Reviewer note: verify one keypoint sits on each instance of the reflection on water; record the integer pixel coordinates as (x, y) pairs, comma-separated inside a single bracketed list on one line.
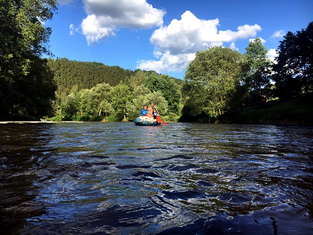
[(181, 179)]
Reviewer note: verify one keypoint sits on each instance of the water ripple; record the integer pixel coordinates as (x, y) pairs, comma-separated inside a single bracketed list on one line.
[(117, 178)]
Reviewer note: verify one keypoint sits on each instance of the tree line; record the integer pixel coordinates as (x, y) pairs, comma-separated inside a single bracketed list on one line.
[(122, 101), (218, 81), (76, 75)]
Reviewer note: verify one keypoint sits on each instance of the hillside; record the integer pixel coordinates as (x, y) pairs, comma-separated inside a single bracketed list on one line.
[(72, 75), (78, 75)]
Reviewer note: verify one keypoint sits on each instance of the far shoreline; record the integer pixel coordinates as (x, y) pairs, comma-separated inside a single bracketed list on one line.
[(37, 122)]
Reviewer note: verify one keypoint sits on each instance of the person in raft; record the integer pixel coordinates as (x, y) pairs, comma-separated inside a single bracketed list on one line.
[(144, 111), (152, 112)]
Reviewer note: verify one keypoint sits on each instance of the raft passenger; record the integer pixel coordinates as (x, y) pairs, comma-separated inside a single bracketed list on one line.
[(144, 111)]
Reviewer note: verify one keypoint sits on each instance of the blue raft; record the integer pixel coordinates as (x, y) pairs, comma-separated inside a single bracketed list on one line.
[(146, 121)]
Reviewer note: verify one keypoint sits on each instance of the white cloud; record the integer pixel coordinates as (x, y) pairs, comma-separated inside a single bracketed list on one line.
[(167, 62), (177, 43), (278, 34), (73, 29), (272, 54), (105, 16), (233, 46)]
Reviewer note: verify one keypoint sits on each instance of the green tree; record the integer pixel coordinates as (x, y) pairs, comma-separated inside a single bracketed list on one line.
[(23, 39), (120, 97), (158, 100), (135, 105), (258, 74), (293, 70), (88, 104), (138, 79), (169, 88), (211, 81), (70, 107), (85, 75)]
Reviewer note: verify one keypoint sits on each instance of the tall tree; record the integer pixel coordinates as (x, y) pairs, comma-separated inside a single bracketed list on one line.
[(293, 70), (120, 97), (258, 74), (211, 81), (23, 39), (169, 88)]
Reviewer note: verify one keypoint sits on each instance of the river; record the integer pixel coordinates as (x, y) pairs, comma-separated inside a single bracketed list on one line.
[(118, 178)]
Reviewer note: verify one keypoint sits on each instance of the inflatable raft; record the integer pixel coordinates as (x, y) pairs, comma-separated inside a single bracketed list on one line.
[(146, 121)]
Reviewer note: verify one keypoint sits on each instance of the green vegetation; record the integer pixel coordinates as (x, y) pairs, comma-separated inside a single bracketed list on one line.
[(298, 111), (212, 82), (120, 102), (71, 76), (294, 71), (221, 84), (257, 81), (26, 83)]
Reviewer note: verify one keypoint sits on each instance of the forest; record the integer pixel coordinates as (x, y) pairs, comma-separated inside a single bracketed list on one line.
[(220, 84)]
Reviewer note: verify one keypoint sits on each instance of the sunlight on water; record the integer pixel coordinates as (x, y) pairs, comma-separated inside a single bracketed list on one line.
[(113, 178)]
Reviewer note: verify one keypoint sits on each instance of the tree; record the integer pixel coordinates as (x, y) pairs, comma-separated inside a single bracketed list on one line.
[(70, 107), (293, 70), (85, 75), (211, 81), (23, 39), (169, 88), (258, 74), (120, 97)]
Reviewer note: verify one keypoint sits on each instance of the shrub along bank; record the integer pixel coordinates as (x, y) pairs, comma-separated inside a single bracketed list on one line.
[(294, 112)]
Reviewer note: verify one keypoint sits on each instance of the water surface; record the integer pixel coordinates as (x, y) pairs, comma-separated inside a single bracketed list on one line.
[(118, 178)]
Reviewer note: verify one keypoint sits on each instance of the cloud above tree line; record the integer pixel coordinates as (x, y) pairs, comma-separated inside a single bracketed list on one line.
[(177, 43), (174, 44)]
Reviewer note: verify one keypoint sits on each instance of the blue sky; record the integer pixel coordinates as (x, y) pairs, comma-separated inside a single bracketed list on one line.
[(164, 35)]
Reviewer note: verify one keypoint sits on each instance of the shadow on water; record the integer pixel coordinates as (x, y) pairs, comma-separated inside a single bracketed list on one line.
[(116, 178), (21, 151)]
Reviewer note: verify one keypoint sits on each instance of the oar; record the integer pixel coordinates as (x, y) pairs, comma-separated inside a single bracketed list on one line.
[(158, 118)]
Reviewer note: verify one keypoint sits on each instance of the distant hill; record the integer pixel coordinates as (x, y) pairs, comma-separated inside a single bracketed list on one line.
[(79, 75), (71, 75)]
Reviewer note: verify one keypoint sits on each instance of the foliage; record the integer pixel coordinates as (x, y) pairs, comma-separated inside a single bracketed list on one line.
[(295, 112), (147, 98), (84, 75), (293, 70), (87, 103), (121, 95), (258, 74), (119, 102), (169, 88), (26, 85), (211, 81), (218, 81)]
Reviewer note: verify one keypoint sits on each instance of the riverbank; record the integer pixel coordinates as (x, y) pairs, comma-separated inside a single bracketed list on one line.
[(37, 122), (295, 112)]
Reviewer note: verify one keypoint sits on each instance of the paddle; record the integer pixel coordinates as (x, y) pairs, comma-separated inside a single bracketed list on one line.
[(158, 118)]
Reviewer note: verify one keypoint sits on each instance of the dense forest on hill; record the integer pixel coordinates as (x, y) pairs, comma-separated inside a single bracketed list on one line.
[(122, 101), (220, 84), (90, 91), (79, 75)]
